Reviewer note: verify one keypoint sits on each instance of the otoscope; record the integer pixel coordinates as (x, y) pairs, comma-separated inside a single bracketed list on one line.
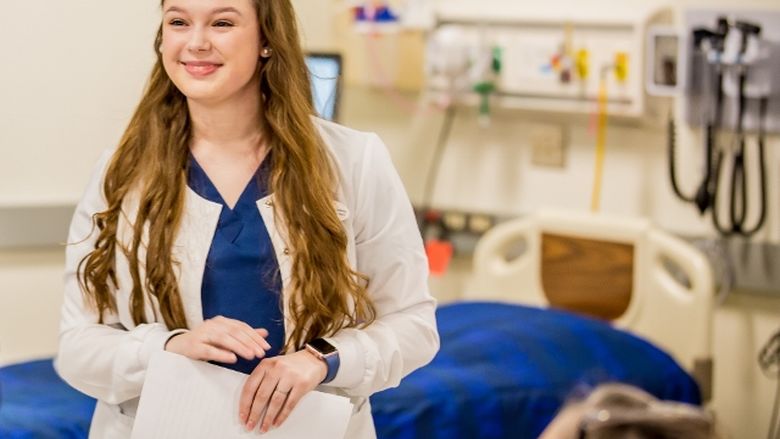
[(738, 193), (713, 51), (705, 194)]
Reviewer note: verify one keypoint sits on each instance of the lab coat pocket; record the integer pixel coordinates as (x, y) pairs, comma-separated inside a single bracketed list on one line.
[(122, 418), (109, 422)]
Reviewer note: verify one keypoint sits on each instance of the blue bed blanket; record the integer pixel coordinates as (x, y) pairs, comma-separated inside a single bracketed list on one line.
[(36, 404), (503, 371)]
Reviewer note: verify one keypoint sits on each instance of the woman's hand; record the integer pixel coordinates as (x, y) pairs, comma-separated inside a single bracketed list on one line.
[(220, 339), (279, 383)]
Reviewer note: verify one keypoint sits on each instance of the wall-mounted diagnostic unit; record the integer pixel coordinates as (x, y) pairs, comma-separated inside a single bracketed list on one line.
[(560, 56), (730, 85), (731, 63)]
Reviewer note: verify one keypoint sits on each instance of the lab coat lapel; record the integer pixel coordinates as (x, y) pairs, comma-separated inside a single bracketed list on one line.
[(266, 207), (191, 249)]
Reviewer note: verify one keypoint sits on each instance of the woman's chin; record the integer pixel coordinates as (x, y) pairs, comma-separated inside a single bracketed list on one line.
[(198, 94)]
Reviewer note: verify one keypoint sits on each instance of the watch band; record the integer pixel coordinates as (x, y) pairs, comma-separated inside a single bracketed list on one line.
[(331, 358)]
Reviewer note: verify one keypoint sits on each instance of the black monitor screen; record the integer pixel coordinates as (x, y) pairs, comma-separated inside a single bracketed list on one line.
[(325, 74)]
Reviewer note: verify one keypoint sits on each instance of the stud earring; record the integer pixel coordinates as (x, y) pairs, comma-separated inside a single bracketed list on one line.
[(266, 52)]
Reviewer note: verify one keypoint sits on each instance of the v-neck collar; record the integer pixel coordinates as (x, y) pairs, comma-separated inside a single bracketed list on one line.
[(255, 189)]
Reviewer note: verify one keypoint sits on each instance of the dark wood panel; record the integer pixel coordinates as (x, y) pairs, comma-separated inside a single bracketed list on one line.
[(587, 276)]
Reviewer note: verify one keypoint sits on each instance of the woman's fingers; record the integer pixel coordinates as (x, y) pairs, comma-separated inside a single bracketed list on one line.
[(277, 400), (212, 353), (194, 345), (236, 336), (260, 401), (221, 337), (249, 336), (293, 398), (248, 393), (275, 387), (262, 332), (249, 349)]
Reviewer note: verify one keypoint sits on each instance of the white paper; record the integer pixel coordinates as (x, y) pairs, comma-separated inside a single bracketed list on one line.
[(183, 398)]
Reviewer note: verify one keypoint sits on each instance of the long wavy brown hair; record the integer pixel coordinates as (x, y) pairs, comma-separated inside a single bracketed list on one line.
[(150, 164)]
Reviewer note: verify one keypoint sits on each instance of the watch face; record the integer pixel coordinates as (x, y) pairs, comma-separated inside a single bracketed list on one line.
[(322, 346)]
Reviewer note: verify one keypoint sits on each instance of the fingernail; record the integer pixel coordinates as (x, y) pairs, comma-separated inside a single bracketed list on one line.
[(250, 426)]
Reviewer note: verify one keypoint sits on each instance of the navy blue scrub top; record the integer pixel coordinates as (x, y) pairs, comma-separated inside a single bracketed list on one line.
[(241, 280)]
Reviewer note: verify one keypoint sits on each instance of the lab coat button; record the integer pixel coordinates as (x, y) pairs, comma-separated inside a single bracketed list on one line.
[(286, 251)]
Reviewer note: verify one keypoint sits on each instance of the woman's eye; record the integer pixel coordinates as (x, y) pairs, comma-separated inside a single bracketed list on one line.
[(177, 22), (223, 24)]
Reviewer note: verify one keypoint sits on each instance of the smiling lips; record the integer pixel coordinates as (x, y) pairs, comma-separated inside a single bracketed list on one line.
[(201, 69)]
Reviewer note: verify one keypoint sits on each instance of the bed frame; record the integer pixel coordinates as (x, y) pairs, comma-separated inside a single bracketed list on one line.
[(623, 270)]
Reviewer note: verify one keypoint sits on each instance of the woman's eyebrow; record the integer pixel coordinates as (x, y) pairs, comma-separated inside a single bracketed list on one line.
[(213, 12), (226, 9), (174, 9)]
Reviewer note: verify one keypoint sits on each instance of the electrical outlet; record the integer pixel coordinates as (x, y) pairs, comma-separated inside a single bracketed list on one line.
[(480, 223), (548, 145), (454, 221)]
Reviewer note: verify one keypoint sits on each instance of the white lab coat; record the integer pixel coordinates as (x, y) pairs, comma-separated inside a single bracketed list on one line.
[(108, 361)]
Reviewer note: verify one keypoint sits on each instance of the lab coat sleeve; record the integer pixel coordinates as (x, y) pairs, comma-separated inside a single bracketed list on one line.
[(390, 251), (104, 361)]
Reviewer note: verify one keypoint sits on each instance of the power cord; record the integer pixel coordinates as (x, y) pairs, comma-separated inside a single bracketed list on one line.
[(769, 361), (671, 144), (441, 144)]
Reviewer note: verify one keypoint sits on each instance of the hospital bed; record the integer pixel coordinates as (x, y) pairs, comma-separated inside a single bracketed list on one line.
[(623, 270), (558, 303)]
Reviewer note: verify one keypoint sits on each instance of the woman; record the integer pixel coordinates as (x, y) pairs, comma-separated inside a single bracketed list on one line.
[(232, 226)]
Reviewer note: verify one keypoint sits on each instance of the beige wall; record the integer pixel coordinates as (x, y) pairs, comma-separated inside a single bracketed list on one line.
[(73, 74), (30, 298), (76, 75)]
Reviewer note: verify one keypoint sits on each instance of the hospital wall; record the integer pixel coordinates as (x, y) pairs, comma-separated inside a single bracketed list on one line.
[(78, 72)]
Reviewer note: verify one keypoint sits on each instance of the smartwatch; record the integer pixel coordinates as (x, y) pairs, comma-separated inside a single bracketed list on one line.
[(326, 352)]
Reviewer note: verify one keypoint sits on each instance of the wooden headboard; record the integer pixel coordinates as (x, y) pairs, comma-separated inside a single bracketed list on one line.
[(587, 276)]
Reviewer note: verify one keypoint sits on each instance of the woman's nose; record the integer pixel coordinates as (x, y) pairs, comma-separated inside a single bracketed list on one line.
[(199, 41)]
